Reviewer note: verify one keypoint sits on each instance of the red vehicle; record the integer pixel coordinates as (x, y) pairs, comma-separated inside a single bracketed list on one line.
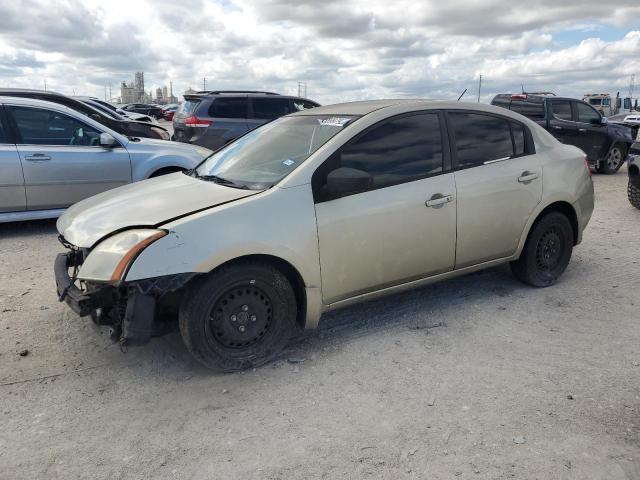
[(168, 111)]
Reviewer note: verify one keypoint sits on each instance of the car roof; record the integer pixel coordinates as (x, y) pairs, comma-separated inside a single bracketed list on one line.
[(35, 102), (357, 108)]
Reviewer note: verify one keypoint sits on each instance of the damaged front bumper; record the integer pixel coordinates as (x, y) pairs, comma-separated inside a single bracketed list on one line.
[(132, 309)]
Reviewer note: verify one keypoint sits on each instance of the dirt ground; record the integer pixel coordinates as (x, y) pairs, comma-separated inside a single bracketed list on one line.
[(480, 377)]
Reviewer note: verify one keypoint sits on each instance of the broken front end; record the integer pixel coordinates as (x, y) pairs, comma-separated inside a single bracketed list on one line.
[(136, 310)]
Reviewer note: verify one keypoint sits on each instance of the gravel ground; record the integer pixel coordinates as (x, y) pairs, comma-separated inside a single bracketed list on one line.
[(478, 377)]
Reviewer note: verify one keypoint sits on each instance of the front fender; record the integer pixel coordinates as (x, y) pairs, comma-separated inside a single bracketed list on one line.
[(143, 169)]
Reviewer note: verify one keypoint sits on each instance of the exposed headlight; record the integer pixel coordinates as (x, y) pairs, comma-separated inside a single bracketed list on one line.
[(161, 133), (110, 260)]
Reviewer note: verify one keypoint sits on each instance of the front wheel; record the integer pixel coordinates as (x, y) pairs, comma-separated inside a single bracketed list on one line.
[(547, 251), (614, 160), (238, 317), (633, 192)]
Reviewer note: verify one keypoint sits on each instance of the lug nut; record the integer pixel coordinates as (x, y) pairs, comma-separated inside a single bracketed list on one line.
[(233, 318), (241, 328), (253, 318), (245, 308)]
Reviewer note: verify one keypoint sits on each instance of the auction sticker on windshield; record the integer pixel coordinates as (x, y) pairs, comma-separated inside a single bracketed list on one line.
[(334, 121)]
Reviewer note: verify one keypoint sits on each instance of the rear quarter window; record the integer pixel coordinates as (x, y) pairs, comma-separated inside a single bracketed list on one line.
[(187, 107)]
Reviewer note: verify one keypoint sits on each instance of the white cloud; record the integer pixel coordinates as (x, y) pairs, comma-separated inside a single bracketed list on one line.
[(344, 50)]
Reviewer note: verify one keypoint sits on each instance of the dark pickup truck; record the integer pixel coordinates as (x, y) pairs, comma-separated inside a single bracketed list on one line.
[(574, 122)]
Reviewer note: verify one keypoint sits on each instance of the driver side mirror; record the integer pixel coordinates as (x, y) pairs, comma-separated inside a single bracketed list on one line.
[(599, 121), (107, 140), (344, 181)]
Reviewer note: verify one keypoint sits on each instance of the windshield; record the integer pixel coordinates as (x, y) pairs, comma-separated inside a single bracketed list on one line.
[(267, 154)]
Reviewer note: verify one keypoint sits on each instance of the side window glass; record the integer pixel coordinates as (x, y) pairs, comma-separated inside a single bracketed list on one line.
[(38, 126), (517, 129), (398, 151), (3, 131), (270, 108), (223, 107), (562, 109), (587, 114), (480, 138)]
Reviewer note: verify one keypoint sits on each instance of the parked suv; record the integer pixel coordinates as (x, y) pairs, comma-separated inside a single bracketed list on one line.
[(318, 210), (212, 119), (124, 126), (633, 190), (576, 123), (52, 156)]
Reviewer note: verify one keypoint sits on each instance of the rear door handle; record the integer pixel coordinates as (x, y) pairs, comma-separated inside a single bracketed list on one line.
[(438, 200), (527, 177), (557, 127), (37, 157), (582, 130)]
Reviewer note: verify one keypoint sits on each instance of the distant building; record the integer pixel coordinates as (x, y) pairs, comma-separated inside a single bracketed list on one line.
[(128, 93), (159, 97), (139, 81)]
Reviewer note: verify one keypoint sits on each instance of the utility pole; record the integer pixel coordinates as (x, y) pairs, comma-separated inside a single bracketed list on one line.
[(110, 94), (171, 90), (479, 87), (204, 83), (45, 84), (302, 89)]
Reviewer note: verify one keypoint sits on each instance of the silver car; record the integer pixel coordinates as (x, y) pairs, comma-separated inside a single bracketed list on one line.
[(318, 210), (52, 156)]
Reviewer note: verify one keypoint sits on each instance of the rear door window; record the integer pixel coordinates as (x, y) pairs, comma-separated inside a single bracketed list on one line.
[(562, 109), (270, 108), (480, 138), (229, 107)]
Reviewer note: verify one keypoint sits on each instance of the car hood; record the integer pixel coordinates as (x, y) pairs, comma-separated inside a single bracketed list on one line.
[(178, 148), (149, 203)]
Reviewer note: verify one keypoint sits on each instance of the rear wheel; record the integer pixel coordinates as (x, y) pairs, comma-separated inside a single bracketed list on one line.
[(547, 251), (633, 192), (614, 160), (238, 317)]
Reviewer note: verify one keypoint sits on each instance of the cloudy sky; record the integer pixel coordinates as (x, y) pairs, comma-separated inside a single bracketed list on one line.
[(343, 49)]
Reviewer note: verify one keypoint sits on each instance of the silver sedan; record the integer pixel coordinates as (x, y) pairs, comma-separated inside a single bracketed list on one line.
[(52, 157)]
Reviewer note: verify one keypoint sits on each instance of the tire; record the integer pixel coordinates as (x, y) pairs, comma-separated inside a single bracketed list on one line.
[(240, 316), (547, 251), (613, 161), (633, 192)]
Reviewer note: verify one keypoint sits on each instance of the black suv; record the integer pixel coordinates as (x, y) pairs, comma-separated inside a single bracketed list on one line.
[(214, 118), (114, 121), (574, 122)]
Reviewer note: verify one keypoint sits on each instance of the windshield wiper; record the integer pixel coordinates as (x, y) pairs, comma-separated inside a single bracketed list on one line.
[(220, 181)]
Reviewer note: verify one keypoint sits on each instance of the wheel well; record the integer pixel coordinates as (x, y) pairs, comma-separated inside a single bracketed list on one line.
[(634, 170), (166, 170), (289, 271), (566, 209)]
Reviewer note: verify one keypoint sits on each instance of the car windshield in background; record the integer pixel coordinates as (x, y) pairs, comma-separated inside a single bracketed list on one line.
[(267, 154)]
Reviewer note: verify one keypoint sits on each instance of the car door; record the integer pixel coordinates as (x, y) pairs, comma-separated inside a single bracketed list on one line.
[(498, 178), (12, 194), (403, 227), (62, 159), (592, 133), (562, 123), (265, 109)]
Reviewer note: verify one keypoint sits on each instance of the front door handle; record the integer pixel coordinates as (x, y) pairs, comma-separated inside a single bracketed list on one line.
[(438, 200), (557, 127), (37, 157), (582, 130), (527, 177)]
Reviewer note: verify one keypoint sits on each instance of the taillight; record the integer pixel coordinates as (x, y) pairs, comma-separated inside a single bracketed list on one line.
[(586, 161), (194, 121), (519, 96)]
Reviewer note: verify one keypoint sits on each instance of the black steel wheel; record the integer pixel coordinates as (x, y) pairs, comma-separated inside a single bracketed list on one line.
[(239, 316), (547, 251)]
